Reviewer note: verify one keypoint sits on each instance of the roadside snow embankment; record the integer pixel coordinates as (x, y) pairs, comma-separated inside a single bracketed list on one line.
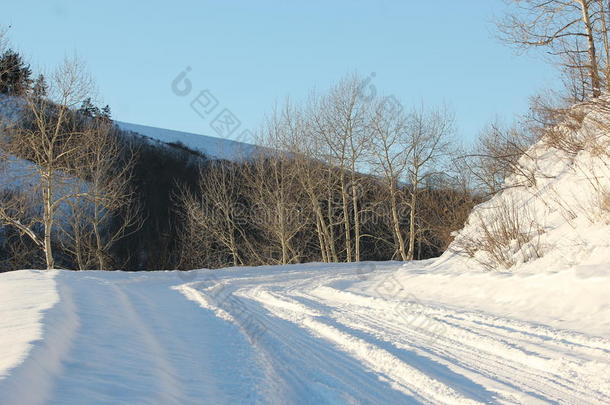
[(554, 214), (24, 296)]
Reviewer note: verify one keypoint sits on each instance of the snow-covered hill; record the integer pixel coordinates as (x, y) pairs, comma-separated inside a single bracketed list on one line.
[(211, 146)]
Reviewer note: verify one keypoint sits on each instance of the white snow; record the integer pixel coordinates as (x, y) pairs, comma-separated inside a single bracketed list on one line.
[(214, 147), (371, 333), (566, 212), (22, 313)]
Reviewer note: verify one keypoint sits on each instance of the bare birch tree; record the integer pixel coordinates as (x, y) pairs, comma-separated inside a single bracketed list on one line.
[(390, 150), (48, 135), (279, 203), (315, 178), (428, 133), (340, 122), (573, 31), (108, 212)]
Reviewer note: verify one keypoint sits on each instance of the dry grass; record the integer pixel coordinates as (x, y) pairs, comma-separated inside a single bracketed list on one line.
[(566, 136), (507, 234), (603, 203)]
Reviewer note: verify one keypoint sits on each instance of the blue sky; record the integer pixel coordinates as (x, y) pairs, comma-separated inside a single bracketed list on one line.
[(250, 54)]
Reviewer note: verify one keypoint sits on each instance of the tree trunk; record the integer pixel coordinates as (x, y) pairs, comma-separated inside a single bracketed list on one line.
[(324, 237), (412, 216), (331, 229), (321, 241), (346, 221), (604, 21), (283, 233), (48, 221), (101, 262), (593, 69), (356, 220), (396, 224)]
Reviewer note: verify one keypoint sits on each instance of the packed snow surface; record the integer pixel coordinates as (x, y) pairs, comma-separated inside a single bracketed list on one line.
[(368, 333)]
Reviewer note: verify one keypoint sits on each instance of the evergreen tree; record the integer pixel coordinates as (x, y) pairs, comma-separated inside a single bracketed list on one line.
[(15, 75), (105, 114), (88, 109), (40, 87)]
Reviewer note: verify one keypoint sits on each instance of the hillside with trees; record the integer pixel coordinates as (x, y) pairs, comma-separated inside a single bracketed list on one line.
[(341, 178)]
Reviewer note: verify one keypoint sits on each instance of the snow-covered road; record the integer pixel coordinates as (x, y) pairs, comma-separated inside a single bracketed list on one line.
[(320, 334)]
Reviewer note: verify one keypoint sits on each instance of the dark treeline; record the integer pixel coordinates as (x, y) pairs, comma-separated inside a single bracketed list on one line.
[(204, 213)]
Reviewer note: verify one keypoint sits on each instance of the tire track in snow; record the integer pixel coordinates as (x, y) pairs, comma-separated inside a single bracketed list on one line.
[(302, 368), (170, 389), (521, 362), (401, 376), (489, 353)]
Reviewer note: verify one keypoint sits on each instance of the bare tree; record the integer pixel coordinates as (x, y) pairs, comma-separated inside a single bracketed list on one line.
[(279, 203), (340, 121), (428, 133), (568, 29), (76, 171), (497, 154), (407, 151), (390, 151), (277, 207), (108, 212), (218, 210), (48, 134), (316, 179)]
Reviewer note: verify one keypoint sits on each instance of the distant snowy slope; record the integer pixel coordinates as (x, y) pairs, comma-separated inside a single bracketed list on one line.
[(20, 175), (214, 147), (10, 108)]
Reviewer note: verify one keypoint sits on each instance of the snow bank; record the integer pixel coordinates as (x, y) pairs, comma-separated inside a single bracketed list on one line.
[(24, 296), (561, 204)]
